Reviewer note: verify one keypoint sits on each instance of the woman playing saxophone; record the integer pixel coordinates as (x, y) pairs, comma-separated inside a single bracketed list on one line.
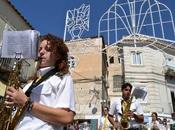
[(50, 98)]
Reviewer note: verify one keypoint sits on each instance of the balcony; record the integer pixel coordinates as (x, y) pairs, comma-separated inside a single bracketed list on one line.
[(5, 64), (5, 69), (169, 68)]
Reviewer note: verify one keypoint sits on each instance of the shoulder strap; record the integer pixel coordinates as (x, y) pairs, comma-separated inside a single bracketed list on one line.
[(44, 77)]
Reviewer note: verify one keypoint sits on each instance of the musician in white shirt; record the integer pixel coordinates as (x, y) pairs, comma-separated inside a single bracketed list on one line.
[(135, 114), (52, 103)]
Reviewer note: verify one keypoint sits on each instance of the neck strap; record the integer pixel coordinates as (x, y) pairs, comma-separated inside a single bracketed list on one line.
[(44, 77)]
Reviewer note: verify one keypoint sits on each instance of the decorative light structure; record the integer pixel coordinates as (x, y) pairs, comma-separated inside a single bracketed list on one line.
[(77, 21), (132, 17)]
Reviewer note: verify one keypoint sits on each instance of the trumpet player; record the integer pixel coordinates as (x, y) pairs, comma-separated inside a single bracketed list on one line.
[(49, 99), (125, 108)]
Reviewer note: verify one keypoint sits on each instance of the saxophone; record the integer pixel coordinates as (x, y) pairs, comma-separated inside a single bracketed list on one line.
[(7, 118), (124, 118)]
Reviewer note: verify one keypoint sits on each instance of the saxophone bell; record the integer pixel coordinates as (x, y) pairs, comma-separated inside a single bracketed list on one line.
[(125, 124)]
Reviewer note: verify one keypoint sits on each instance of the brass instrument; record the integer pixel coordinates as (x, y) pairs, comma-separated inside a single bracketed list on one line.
[(7, 120), (124, 118)]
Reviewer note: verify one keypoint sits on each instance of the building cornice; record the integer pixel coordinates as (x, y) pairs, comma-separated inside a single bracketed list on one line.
[(17, 11)]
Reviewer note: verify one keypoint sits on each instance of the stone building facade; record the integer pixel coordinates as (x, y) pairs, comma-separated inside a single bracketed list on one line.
[(89, 71)]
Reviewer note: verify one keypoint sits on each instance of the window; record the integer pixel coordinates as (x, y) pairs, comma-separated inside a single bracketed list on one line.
[(117, 83), (119, 60), (72, 62), (173, 100), (136, 58), (111, 59)]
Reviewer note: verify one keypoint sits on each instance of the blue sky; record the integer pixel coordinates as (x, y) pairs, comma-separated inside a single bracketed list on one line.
[(48, 16)]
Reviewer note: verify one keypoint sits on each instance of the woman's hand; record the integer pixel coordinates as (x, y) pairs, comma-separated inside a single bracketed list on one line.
[(15, 97)]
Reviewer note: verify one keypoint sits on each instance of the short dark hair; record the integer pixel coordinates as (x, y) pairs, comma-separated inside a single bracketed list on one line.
[(126, 85)]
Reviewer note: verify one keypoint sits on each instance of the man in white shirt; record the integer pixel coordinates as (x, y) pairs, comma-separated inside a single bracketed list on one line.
[(50, 103), (165, 125), (104, 122), (134, 114)]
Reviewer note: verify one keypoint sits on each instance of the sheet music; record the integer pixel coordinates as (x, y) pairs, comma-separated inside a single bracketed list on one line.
[(20, 44)]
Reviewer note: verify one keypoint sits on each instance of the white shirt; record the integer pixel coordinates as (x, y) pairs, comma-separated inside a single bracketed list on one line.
[(165, 127), (102, 123), (154, 124), (55, 92), (116, 109)]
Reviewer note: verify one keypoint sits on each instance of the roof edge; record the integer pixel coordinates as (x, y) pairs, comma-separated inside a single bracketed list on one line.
[(18, 12)]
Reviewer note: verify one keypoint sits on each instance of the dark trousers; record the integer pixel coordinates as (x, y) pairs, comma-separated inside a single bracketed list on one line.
[(133, 129)]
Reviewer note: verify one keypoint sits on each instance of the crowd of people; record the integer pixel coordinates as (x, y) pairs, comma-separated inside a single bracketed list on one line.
[(125, 113), (157, 123)]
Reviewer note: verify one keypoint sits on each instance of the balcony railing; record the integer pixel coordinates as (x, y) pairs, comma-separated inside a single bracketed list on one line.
[(169, 68), (5, 64)]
